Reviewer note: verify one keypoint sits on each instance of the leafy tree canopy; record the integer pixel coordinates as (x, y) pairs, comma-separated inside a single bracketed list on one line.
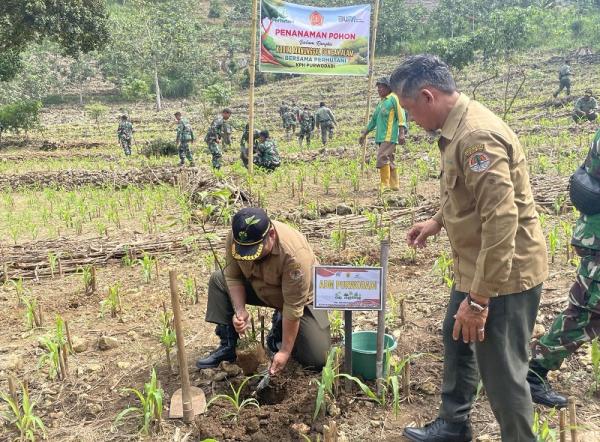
[(76, 25)]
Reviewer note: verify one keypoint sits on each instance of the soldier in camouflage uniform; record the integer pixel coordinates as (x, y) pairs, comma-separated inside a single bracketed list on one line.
[(227, 131), (289, 123), (325, 120), (243, 144), (266, 155), (564, 77), (125, 134), (580, 321), (185, 136), (585, 108), (282, 110), (307, 125), (215, 135)]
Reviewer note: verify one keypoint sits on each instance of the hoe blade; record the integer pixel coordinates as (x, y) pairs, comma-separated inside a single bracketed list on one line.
[(198, 403)]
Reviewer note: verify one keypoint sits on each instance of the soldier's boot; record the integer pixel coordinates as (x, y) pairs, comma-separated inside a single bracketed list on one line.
[(384, 176), (275, 335), (440, 430), (394, 183), (541, 391), (226, 349)]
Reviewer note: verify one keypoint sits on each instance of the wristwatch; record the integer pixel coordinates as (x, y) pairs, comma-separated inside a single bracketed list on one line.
[(475, 306)]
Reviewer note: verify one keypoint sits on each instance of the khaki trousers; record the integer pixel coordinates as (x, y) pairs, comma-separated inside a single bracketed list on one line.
[(386, 154), (313, 340)]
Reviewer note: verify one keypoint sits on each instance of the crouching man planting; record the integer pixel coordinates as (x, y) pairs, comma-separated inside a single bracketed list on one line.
[(268, 263)]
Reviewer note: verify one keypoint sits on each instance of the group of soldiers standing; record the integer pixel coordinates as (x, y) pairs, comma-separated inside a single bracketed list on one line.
[(292, 116)]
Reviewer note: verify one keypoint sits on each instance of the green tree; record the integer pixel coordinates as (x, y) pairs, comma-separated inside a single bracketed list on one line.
[(22, 115), (77, 26)]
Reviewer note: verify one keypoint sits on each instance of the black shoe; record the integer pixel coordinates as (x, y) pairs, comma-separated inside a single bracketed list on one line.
[(225, 351), (275, 334), (440, 430), (542, 393)]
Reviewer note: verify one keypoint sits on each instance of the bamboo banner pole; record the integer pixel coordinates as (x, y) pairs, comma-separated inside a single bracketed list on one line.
[(251, 94), (372, 42), (380, 354)]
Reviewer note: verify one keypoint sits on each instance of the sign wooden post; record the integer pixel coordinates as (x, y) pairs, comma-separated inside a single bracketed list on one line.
[(385, 253), (252, 75), (372, 43)]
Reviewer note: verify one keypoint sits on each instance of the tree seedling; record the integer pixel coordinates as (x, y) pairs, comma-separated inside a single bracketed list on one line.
[(22, 416), (112, 302), (33, 317), (235, 399), (167, 337), (88, 279), (149, 412), (147, 262)]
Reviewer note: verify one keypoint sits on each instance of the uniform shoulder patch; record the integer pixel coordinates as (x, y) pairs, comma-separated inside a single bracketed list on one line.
[(479, 162), (473, 149)]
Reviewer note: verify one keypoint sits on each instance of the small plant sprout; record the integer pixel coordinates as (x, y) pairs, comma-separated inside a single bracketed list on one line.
[(190, 289), (325, 385), (22, 416), (336, 324), (19, 289), (87, 277), (595, 353), (52, 357), (112, 302), (339, 237), (53, 262), (553, 242), (541, 428), (235, 399), (33, 316), (147, 262), (443, 268), (167, 337), (150, 409)]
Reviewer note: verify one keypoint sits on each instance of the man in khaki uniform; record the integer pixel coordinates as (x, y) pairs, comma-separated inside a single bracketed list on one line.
[(498, 249), (268, 264)]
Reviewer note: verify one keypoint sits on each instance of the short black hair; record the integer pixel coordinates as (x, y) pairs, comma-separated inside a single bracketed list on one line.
[(322, 103), (226, 110), (264, 133), (177, 114), (419, 71)]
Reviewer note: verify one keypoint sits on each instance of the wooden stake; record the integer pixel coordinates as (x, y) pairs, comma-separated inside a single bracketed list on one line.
[(61, 365), (188, 412), (572, 419), (330, 433), (65, 356), (403, 311), (563, 424), (60, 268), (262, 331), (252, 72), (37, 318), (5, 272), (69, 341), (93, 281), (156, 267), (371, 70)]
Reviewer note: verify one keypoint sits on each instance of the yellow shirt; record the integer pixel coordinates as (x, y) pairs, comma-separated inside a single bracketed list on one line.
[(283, 279), (487, 207)]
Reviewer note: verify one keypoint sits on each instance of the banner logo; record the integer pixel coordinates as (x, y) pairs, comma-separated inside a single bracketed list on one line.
[(316, 19)]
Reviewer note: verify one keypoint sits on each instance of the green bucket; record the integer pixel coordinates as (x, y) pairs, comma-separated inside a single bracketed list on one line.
[(364, 353)]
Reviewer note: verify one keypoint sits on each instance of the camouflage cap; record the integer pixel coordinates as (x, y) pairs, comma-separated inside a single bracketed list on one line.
[(384, 81)]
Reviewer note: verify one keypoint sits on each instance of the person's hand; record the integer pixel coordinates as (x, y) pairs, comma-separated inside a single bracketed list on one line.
[(241, 321), (279, 361), (418, 234), (362, 138), (471, 323)]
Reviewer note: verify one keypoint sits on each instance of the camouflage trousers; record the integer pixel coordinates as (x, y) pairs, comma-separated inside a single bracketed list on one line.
[(215, 151), (578, 323), (126, 145), (565, 83), (304, 133), (581, 117), (326, 131), (185, 152)]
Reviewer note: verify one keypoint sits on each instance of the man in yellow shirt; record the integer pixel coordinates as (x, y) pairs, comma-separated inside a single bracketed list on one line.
[(389, 122)]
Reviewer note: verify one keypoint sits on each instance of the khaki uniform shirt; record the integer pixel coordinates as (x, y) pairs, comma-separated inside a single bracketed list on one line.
[(283, 279), (487, 206)]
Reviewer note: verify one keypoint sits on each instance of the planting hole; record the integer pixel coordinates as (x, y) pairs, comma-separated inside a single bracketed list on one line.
[(272, 395)]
